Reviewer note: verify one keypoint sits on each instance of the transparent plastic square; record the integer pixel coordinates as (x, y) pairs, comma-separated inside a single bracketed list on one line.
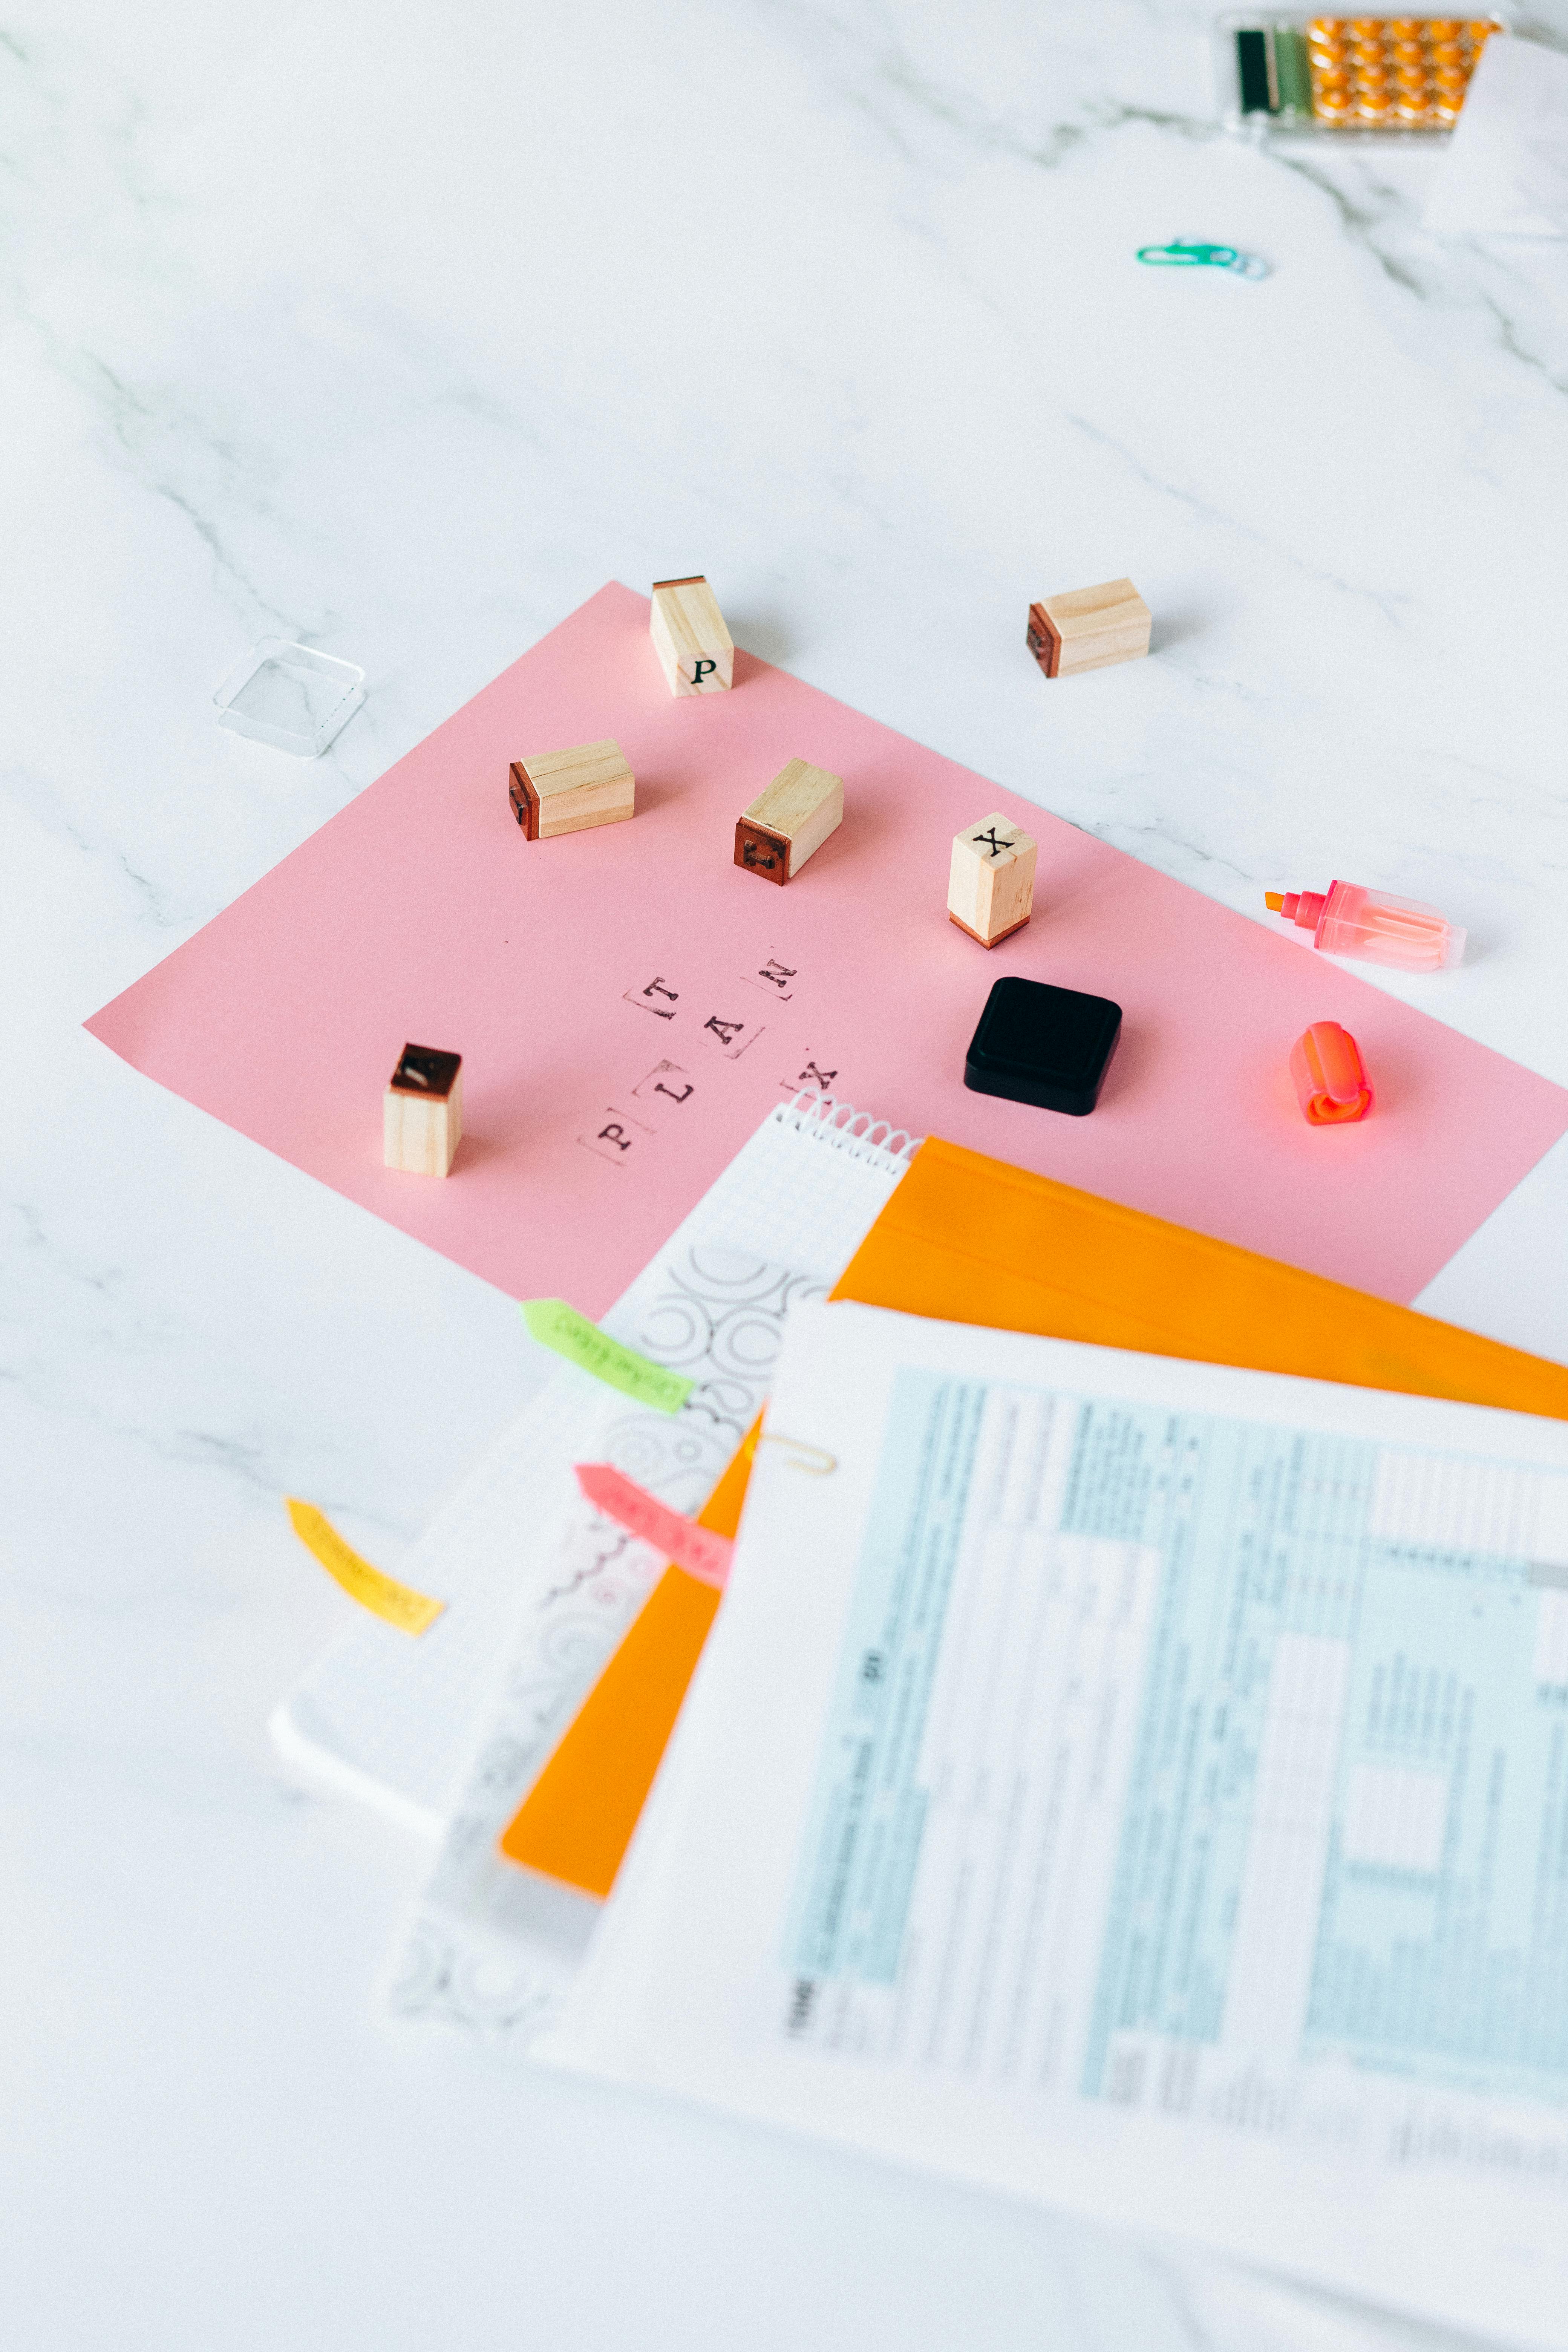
[(289, 696)]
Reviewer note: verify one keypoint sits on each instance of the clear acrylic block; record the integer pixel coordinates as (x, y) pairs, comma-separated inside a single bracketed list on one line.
[(289, 696)]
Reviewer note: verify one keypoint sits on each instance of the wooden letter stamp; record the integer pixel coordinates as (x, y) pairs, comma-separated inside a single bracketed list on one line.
[(422, 1113), (789, 823), (567, 791), (1089, 628), (690, 636), (991, 881)]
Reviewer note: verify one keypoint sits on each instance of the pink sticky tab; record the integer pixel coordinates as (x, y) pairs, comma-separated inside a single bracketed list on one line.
[(1331, 1081), (697, 1550)]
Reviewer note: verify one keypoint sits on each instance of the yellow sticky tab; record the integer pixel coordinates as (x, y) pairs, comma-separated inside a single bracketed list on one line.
[(557, 1325), (396, 1604)]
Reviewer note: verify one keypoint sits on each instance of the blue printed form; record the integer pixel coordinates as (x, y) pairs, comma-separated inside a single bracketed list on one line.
[(1173, 1760)]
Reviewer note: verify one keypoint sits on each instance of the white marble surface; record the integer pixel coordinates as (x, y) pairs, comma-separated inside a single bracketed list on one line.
[(401, 331)]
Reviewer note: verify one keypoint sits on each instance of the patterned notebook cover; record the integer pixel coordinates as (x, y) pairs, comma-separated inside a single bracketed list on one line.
[(386, 1718)]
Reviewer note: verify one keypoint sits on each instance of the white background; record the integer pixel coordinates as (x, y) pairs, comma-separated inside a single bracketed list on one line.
[(401, 330)]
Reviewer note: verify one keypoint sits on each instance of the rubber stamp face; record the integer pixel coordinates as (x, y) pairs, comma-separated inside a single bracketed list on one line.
[(426, 1070), (761, 852), (524, 801), (1043, 640)]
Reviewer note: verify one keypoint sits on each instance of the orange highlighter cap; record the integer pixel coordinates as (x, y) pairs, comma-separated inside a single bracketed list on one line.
[(1330, 1080)]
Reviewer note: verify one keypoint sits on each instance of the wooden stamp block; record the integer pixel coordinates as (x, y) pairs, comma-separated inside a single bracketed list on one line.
[(1089, 628), (690, 637), (567, 791), (789, 823), (422, 1112), (991, 882)]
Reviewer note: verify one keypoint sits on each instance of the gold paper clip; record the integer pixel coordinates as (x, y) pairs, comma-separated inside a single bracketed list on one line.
[(821, 1465)]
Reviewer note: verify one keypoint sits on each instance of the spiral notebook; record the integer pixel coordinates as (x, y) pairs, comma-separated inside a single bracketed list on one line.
[(529, 1573)]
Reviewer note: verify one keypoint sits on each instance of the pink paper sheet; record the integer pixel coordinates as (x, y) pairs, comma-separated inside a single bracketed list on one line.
[(618, 1000)]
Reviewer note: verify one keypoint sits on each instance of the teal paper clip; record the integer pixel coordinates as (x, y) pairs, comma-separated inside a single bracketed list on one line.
[(1179, 255)]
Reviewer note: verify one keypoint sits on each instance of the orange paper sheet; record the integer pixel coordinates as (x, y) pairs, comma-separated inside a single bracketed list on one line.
[(970, 1240), (577, 1821)]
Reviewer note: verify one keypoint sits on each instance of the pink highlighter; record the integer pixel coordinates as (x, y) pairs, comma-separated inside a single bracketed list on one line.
[(1368, 924), (1330, 1077)]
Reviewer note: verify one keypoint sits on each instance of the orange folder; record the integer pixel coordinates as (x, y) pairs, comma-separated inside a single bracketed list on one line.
[(576, 1821), (969, 1240)]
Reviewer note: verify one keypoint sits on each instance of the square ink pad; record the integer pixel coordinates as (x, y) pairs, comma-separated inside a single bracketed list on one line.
[(1041, 1044)]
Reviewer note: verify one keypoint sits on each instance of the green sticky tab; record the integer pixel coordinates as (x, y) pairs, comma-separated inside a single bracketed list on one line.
[(555, 1324)]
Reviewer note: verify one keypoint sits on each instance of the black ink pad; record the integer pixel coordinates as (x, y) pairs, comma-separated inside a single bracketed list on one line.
[(1035, 1044)]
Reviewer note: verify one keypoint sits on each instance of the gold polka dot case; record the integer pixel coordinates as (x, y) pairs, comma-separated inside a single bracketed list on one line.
[(1351, 73)]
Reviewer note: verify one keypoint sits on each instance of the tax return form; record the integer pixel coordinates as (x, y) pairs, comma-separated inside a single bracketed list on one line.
[(1138, 1786)]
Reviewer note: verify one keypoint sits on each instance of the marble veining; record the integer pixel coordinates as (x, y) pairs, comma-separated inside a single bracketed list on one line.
[(398, 334)]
